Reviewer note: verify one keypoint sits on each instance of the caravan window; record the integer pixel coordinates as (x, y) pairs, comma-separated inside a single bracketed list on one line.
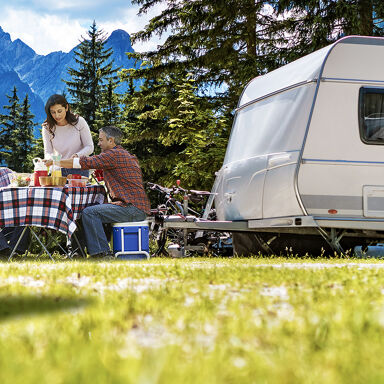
[(271, 125), (371, 105)]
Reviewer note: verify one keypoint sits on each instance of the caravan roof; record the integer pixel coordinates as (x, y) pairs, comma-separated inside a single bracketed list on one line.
[(327, 62)]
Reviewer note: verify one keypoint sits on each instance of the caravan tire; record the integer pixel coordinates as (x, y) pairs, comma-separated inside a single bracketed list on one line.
[(248, 244), (265, 243)]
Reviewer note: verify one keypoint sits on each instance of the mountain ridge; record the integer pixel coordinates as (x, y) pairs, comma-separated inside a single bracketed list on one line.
[(40, 76)]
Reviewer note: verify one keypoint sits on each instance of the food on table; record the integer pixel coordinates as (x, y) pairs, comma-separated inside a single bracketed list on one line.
[(20, 179), (73, 176), (78, 182), (45, 181), (59, 180), (53, 181)]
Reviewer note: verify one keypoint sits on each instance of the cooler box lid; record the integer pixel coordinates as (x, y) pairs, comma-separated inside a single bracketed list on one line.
[(131, 224)]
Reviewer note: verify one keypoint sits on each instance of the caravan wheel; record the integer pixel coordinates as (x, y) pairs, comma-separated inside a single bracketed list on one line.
[(250, 243), (265, 243)]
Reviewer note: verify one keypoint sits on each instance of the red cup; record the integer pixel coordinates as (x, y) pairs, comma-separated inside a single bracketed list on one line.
[(75, 176), (36, 176)]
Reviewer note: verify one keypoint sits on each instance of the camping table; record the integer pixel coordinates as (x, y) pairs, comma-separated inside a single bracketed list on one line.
[(50, 207)]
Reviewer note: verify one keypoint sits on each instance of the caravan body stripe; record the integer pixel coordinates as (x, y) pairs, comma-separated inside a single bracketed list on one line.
[(350, 162), (334, 202)]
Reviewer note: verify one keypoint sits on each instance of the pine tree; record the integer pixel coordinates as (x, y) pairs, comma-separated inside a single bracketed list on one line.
[(16, 135), (90, 80), (26, 137), (203, 133), (143, 124), (227, 43), (10, 131), (224, 43), (313, 24), (37, 149), (109, 111), (176, 135)]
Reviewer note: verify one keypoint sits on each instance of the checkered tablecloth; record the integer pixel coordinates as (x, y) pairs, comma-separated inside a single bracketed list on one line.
[(51, 207), (5, 174)]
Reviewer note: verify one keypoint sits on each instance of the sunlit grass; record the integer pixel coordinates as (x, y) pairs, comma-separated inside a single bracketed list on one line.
[(192, 321)]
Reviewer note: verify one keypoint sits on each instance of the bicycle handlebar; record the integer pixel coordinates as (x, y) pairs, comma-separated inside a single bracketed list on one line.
[(176, 190), (167, 191), (159, 188)]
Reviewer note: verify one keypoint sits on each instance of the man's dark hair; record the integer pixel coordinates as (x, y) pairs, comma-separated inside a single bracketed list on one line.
[(112, 131)]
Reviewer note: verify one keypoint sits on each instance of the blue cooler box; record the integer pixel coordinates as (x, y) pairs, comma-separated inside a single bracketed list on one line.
[(131, 240)]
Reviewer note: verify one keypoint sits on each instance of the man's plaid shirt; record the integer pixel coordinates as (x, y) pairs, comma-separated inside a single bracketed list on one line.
[(122, 176)]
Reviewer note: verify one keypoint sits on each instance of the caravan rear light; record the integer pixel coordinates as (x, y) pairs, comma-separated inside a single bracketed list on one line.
[(332, 211)]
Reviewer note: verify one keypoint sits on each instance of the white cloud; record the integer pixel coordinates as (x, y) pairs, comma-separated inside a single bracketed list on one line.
[(73, 5), (43, 33), (59, 31)]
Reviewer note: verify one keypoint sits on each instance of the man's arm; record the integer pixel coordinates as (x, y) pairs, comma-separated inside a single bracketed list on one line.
[(105, 160), (66, 163)]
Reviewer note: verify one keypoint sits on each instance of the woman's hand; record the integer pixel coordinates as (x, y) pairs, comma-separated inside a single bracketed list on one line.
[(48, 162)]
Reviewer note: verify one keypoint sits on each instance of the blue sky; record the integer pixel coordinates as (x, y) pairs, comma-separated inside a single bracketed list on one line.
[(48, 26)]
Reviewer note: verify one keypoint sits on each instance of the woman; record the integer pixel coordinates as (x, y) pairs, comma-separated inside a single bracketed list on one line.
[(65, 133)]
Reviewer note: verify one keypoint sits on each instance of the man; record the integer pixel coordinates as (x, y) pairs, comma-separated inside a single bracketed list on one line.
[(123, 179)]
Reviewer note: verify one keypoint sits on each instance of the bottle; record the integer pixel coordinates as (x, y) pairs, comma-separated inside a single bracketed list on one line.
[(56, 169), (40, 169)]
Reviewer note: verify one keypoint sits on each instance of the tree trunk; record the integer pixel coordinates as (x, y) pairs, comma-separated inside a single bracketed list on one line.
[(251, 21), (365, 10)]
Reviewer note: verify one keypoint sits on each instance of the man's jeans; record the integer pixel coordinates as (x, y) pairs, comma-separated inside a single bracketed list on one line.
[(93, 218)]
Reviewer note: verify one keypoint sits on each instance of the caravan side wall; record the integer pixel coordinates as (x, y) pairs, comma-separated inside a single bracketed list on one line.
[(257, 178), (337, 165)]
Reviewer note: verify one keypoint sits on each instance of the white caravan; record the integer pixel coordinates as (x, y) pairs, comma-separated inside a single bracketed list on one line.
[(304, 165)]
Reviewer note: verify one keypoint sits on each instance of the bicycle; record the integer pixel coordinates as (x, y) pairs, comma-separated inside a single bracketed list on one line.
[(182, 205)]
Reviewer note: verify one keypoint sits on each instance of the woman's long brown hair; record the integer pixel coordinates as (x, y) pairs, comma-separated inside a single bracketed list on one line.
[(50, 122)]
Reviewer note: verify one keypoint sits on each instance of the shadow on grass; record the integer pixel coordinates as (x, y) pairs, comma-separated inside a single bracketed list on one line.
[(21, 306), (44, 259)]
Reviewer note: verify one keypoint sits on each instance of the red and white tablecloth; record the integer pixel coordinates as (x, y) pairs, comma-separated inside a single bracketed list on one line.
[(5, 176), (52, 207)]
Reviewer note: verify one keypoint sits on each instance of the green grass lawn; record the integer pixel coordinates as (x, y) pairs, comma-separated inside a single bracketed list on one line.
[(192, 321)]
